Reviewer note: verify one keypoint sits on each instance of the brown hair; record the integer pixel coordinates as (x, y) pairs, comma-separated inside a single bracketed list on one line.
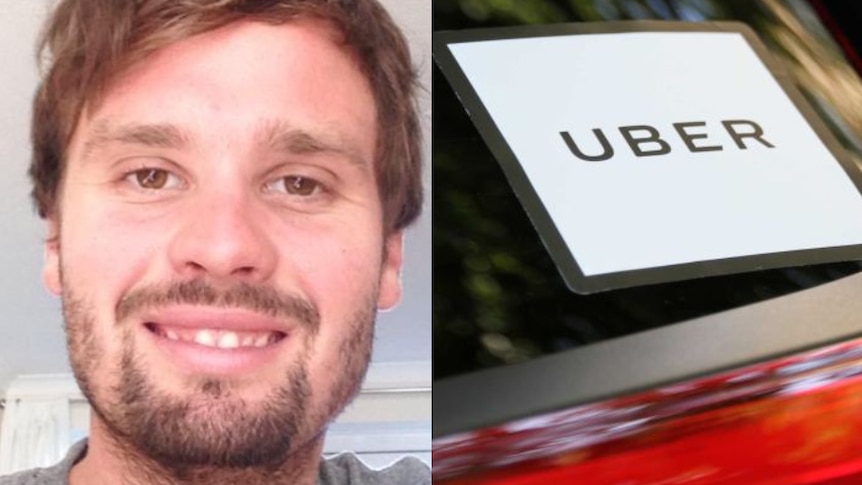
[(87, 43)]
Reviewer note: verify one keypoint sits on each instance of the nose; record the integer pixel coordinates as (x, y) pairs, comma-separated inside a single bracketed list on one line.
[(222, 237)]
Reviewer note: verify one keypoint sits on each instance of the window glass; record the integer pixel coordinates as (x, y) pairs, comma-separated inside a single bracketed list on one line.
[(498, 297)]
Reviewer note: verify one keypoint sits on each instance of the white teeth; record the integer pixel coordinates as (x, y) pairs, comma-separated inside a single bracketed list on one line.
[(205, 337), (228, 340), (262, 340), (223, 339)]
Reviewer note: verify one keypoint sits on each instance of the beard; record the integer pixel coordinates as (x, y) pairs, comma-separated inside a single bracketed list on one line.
[(210, 426)]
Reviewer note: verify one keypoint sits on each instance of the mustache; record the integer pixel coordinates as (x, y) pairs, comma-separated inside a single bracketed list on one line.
[(260, 299)]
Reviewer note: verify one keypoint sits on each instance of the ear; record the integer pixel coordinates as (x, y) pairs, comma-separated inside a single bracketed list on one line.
[(390, 273), (51, 263)]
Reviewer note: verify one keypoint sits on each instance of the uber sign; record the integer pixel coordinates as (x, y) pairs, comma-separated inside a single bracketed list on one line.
[(662, 148), (655, 151)]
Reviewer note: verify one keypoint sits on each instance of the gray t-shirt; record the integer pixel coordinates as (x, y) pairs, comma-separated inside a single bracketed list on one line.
[(345, 468)]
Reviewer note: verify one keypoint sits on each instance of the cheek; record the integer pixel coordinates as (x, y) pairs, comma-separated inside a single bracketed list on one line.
[(340, 272), (103, 256)]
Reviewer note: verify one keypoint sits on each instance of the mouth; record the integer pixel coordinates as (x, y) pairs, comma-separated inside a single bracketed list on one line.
[(196, 340), (217, 338)]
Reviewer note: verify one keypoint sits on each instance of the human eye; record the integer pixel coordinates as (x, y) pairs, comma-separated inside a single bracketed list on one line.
[(296, 185), (150, 178)]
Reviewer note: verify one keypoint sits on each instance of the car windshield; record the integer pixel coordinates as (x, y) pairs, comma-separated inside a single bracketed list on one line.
[(498, 296)]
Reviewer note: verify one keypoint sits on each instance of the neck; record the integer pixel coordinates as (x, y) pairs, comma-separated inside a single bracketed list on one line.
[(110, 461)]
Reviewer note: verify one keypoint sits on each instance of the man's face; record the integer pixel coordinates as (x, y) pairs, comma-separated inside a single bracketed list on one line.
[(220, 246)]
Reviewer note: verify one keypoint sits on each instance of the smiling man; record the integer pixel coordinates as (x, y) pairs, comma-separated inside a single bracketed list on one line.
[(225, 184)]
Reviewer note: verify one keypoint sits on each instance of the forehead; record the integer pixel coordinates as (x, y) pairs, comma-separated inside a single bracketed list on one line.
[(233, 79)]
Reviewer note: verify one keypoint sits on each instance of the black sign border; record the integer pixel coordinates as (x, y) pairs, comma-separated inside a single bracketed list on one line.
[(566, 264)]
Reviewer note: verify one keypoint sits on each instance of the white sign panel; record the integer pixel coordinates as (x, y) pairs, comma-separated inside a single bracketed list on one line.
[(647, 156)]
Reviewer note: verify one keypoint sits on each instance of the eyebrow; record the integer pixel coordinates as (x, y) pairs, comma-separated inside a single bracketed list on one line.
[(274, 135), (159, 135), (280, 137)]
